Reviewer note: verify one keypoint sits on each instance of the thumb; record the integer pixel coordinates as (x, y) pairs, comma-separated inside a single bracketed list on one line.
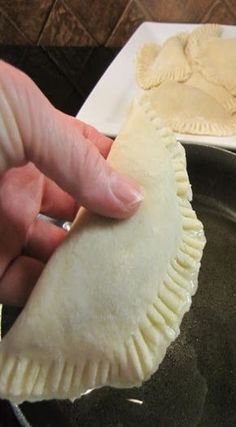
[(33, 130)]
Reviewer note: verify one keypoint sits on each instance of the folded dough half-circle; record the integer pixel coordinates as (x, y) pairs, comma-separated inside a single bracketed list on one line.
[(216, 59), (113, 295), (214, 56), (187, 109), (198, 37), (218, 92), (156, 64)]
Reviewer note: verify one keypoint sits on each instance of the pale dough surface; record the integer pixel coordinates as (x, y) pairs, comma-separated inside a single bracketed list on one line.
[(216, 59), (214, 56), (187, 109), (113, 295), (156, 64), (198, 37), (218, 92)]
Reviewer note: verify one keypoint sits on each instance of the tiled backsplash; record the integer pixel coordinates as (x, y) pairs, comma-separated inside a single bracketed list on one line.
[(99, 22)]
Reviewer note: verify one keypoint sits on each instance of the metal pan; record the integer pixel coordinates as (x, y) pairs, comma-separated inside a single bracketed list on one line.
[(196, 383)]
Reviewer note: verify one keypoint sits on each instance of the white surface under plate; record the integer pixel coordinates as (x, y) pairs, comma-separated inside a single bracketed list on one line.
[(107, 104)]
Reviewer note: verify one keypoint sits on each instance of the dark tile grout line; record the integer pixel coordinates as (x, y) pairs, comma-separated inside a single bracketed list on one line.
[(145, 10), (208, 12), (19, 30), (115, 26), (45, 22), (71, 10), (230, 8), (118, 22), (57, 64)]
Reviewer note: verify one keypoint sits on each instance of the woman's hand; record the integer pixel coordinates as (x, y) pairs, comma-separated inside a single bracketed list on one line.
[(49, 163)]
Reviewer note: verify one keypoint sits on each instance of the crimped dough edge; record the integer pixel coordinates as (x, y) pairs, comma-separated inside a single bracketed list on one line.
[(227, 101), (198, 35), (210, 74), (24, 379), (146, 78), (194, 53), (202, 127)]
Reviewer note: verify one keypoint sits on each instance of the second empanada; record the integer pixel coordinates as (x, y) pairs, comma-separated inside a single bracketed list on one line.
[(217, 62), (186, 109), (218, 92), (156, 64)]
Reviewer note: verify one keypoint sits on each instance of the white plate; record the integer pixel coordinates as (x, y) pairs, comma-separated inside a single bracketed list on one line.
[(107, 104)]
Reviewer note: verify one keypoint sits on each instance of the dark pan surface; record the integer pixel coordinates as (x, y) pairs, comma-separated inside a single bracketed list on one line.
[(196, 383)]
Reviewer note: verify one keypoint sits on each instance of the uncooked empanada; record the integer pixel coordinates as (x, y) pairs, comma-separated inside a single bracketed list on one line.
[(215, 90), (186, 109), (155, 65), (198, 37), (216, 59), (112, 296)]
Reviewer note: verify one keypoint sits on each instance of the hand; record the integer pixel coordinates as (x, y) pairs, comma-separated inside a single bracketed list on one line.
[(49, 163)]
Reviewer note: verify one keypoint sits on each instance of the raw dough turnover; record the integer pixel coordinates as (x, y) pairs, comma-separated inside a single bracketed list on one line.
[(214, 56), (216, 59), (112, 297), (186, 109), (198, 37), (156, 64), (218, 92)]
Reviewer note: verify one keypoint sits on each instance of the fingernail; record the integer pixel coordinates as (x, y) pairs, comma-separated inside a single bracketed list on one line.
[(127, 192)]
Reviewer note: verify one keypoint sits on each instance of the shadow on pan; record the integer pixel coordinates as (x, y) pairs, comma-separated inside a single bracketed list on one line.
[(196, 383)]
